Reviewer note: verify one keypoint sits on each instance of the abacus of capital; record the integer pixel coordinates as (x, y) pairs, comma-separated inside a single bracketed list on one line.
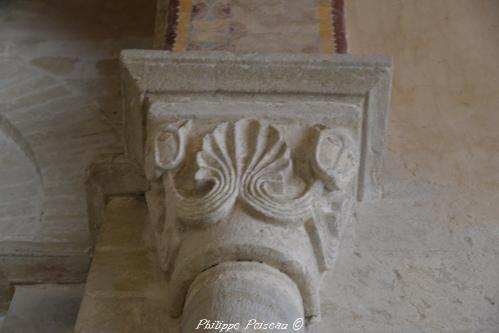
[(255, 165)]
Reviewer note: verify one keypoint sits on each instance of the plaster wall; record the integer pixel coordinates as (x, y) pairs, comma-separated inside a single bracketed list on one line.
[(425, 258)]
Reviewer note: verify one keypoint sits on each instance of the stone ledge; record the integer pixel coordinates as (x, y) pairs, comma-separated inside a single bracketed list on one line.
[(360, 80), (29, 263), (125, 290)]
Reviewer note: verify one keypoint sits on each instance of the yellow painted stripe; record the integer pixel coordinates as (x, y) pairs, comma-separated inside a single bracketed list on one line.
[(326, 26), (183, 25), (215, 25)]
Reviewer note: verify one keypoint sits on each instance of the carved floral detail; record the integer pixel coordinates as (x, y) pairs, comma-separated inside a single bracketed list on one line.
[(246, 160), (247, 165)]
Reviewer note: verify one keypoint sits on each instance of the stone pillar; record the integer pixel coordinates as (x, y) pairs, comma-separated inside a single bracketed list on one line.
[(6, 291), (242, 296), (255, 165)]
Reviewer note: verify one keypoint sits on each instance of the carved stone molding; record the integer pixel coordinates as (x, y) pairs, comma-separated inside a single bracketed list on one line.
[(255, 164)]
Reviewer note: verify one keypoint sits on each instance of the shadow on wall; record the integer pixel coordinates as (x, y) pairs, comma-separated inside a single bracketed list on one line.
[(60, 96)]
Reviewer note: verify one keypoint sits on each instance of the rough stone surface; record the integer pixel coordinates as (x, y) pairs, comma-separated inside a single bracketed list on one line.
[(276, 188), (6, 291), (248, 195), (117, 177), (238, 293), (125, 291), (423, 259), (43, 309), (272, 81), (33, 262), (59, 109)]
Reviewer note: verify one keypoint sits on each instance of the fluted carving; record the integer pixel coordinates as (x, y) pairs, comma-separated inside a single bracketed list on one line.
[(245, 160)]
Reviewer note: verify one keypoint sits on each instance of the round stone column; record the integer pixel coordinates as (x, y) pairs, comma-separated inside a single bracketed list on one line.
[(249, 296)]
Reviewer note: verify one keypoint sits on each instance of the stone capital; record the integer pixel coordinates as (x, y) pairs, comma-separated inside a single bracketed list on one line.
[(255, 164)]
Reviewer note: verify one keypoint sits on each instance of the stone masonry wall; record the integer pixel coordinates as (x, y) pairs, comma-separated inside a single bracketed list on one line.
[(60, 108)]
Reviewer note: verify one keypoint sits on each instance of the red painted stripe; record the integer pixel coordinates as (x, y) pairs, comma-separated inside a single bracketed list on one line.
[(172, 21), (340, 39)]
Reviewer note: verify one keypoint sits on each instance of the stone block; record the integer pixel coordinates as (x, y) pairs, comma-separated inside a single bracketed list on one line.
[(125, 289), (121, 315), (43, 309)]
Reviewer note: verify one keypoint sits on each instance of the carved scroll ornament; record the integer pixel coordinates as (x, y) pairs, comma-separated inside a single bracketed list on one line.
[(245, 193)]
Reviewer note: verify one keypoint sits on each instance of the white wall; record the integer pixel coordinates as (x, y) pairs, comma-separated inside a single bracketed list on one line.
[(426, 257)]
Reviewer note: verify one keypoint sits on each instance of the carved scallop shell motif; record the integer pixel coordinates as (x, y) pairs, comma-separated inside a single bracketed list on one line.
[(245, 160)]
